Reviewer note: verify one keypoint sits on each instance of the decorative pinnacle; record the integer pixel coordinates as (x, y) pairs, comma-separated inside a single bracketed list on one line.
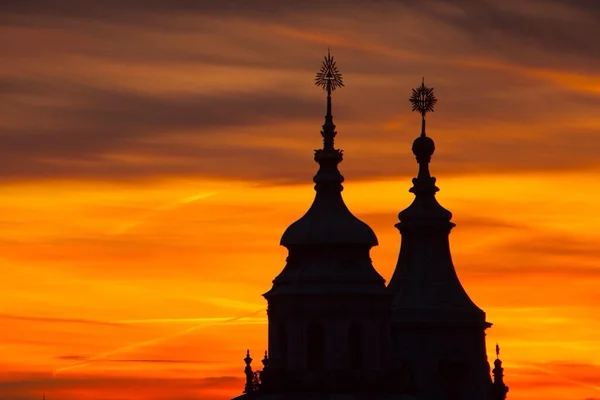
[(497, 351), (329, 77), (423, 100), (328, 176)]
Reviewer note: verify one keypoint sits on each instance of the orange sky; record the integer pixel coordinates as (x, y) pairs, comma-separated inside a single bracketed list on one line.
[(152, 157)]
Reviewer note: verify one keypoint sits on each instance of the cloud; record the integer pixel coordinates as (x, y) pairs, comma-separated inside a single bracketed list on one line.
[(532, 31), (107, 123), (187, 97), (131, 8), (32, 385), (554, 245), (72, 358), (563, 374), (531, 254), (157, 361), (57, 320), (148, 361), (147, 343), (481, 223)]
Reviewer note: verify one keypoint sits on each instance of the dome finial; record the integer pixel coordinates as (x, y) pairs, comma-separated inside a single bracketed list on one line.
[(425, 207), (423, 101), (329, 78), (328, 220)]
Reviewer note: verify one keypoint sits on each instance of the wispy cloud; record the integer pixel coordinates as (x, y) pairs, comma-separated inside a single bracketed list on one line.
[(128, 226), (146, 343), (58, 320)]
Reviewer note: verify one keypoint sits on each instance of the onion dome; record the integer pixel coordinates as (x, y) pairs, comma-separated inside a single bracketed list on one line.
[(328, 220), (328, 247)]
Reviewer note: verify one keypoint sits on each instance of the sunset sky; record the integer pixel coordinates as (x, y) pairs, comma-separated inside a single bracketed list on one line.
[(152, 152)]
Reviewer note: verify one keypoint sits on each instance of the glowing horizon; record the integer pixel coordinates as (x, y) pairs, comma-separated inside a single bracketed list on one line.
[(152, 158)]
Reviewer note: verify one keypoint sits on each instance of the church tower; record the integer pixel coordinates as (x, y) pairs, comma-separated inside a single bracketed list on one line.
[(328, 309), (437, 330)]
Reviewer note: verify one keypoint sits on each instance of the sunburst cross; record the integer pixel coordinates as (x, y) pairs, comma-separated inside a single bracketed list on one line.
[(423, 101), (329, 77)]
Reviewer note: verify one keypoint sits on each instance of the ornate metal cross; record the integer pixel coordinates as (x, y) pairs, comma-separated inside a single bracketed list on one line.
[(423, 100), (329, 77)]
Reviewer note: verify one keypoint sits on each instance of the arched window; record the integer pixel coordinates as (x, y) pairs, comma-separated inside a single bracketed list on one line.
[(283, 346), (316, 346), (356, 345)]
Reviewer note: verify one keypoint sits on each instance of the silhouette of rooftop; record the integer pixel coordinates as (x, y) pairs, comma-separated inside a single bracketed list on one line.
[(336, 332)]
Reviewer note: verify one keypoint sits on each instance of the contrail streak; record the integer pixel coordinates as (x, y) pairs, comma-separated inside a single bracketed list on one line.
[(173, 320), (126, 226), (147, 343), (561, 377)]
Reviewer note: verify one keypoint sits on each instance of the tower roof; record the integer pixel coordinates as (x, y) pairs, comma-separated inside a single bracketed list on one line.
[(328, 220), (328, 247), (425, 285)]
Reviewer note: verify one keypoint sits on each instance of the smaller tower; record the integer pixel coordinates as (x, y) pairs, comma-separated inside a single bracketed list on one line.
[(499, 389), (249, 387), (264, 382), (437, 330)]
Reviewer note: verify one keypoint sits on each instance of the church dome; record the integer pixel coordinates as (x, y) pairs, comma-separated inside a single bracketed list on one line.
[(328, 247), (328, 222)]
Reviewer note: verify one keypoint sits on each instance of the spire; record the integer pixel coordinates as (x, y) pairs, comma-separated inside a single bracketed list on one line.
[(499, 389), (329, 78), (425, 206), (328, 226), (497, 351), (328, 221), (328, 177), (249, 387)]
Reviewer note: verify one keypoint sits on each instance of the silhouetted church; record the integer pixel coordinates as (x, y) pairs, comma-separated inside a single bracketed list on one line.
[(337, 332)]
